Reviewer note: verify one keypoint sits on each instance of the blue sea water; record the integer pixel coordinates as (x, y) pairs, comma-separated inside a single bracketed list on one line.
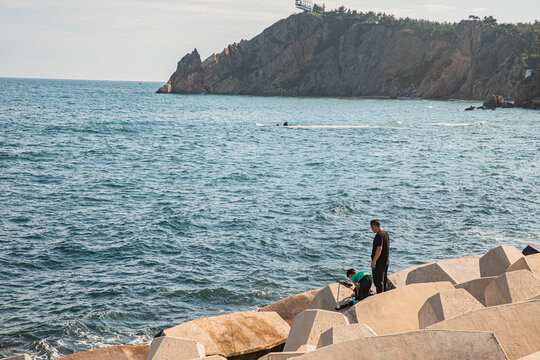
[(123, 212)]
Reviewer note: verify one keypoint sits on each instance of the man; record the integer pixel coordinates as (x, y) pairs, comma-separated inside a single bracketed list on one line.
[(380, 256), (362, 284)]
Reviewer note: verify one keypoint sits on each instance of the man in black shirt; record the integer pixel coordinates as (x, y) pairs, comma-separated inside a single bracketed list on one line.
[(379, 256)]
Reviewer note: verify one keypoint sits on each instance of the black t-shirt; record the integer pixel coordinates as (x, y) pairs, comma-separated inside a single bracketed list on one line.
[(381, 239)]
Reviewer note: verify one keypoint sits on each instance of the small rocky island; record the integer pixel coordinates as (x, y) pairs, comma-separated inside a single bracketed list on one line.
[(478, 307), (346, 53)]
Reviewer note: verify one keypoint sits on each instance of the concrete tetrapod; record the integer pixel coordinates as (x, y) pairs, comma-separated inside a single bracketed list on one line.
[(168, 347), (531, 249), (512, 287), (415, 345), (395, 310), (399, 278), (497, 260), (339, 334), (282, 355), (308, 326), (516, 326), (292, 305), (453, 270), (529, 262), (446, 305), (477, 287), (535, 356), (19, 357), (327, 296), (122, 352), (241, 335)]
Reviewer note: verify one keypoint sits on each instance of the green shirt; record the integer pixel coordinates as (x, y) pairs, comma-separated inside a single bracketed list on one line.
[(359, 276)]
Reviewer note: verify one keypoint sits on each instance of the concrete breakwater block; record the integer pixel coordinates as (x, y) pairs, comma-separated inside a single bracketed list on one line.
[(282, 355), (477, 287), (535, 356), (19, 357), (399, 278), (326, 298), (531, 249), (530, 262), (241, 335), (512, 287), (453, 270), (446, 305), (308, 326), (168, 347), (122, 352), (395, 310), (516, 326), (339, 334), (415, 345), (292, 305), (497, 260)]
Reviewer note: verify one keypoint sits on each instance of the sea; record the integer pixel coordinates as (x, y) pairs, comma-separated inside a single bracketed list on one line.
[(124, 212)]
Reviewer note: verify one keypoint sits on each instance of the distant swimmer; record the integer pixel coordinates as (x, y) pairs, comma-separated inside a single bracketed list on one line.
[(285, 123), (362, 284)]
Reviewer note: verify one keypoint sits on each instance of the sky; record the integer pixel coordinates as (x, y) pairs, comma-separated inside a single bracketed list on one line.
[(142, 40)]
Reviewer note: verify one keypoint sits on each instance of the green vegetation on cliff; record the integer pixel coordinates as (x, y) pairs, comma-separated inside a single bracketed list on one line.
[(527, 34)]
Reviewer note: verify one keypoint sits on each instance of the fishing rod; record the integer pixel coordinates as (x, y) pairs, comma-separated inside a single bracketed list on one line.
[(340, 282)]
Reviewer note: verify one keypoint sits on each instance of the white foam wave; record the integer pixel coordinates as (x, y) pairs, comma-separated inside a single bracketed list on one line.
[(461, 124), (335, 126)]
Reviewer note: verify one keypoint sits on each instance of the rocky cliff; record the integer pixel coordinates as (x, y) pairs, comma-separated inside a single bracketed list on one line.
[(310, 55)]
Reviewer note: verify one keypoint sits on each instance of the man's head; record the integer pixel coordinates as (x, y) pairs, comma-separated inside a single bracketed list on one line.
[(375, 225), (350, 273)]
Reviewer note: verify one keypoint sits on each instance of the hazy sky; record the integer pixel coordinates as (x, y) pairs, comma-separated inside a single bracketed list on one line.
[(143, 40)]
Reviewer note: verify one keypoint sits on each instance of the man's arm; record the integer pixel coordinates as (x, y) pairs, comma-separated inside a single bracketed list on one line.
[(376, 256)]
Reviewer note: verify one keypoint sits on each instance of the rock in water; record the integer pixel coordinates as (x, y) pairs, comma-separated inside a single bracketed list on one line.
[(493, 101), (528, 93), (187, 78)]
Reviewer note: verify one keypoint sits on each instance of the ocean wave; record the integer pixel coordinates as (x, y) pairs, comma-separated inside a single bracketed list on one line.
[(478, 123)]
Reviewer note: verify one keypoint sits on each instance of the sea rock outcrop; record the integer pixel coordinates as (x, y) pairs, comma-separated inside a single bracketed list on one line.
[(310, 55), (528, 92)]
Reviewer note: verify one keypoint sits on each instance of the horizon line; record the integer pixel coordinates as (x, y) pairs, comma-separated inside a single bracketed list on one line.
[(75, 79)]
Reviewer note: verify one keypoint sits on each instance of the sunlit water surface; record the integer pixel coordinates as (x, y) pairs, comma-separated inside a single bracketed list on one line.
[(123, 212)]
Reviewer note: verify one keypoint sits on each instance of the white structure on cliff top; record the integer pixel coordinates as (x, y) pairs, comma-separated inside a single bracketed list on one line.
[(306, 5)]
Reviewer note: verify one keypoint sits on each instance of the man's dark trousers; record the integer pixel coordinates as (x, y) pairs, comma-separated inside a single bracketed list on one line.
[(380, 277)]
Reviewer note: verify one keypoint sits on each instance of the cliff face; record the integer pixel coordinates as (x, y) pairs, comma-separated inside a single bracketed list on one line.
[(305, 55)]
